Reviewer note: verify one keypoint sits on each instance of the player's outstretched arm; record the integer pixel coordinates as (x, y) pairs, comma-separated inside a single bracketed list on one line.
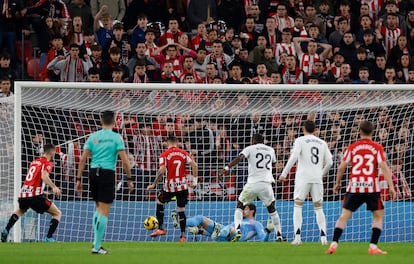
[(160, 173), (387, 175), (127, 168), (232, 163), (328, 160), (86, 153), (339, 175), (294, 155), (46, 179), (194, 171)]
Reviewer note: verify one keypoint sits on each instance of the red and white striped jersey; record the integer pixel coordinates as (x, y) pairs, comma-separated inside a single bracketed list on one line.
[(374, 6), (307, 61), (281, 47), (365, 156), (150, 49), (175, 160), (390, 37), (33, 184)]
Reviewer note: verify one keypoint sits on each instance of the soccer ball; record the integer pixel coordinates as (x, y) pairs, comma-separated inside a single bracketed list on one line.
[(150, 223)]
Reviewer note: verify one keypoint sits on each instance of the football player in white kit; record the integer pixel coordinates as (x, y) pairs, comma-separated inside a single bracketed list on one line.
[(314, 160), (260, 159)]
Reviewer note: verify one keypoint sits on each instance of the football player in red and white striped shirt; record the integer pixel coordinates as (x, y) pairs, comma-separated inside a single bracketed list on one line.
[(389, 34), (173, 163), (32, 196), (366, 158)]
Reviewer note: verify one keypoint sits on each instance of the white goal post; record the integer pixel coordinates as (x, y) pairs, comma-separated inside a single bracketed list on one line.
[(213, 122)]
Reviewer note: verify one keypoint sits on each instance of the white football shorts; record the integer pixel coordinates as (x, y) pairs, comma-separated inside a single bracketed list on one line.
[(302, 191), (261, 190)]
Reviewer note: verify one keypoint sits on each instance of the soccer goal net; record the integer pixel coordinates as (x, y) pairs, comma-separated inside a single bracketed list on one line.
[(213, 123)]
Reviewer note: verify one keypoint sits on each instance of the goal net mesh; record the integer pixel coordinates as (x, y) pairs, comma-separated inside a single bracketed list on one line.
[(214, 125)]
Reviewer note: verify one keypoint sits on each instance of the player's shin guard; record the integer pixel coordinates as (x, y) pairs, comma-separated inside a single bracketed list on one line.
[(320, 220), (13, 219), (276, 222), (297, 220), (52, 227), (183, 221), (160, 215), (238, 218), (101, 224)]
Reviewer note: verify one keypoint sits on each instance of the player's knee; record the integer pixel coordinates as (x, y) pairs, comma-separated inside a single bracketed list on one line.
[(317, 204), (271, 208), (298, 202), (57, 214), (19, 212)]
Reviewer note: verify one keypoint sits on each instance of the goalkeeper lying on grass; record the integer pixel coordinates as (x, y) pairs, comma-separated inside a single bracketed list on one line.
[(250, 228)]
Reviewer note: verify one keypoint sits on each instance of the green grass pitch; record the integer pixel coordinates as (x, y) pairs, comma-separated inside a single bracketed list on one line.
[(202, 252)]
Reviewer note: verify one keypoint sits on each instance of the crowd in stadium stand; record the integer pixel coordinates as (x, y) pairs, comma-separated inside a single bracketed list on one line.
[(220, 41), (210, 41)]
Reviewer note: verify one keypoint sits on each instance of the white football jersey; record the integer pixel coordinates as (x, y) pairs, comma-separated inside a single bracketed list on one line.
[(314, 159), (260, 159)]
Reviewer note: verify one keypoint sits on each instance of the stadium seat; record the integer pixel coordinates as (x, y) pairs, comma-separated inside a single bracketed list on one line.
[(33, 68), (27, 48)]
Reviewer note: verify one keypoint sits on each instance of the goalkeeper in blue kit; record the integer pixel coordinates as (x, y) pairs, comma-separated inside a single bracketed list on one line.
[(249, 228)]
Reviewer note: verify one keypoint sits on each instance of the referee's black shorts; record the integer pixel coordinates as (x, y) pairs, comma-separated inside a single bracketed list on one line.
[(352, 201), (39, 203), (102, 185)]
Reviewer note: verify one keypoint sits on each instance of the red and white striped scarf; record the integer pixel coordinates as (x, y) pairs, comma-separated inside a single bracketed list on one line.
[(302, 31), (283, 22), (79, 70), (172, 77), (220, 64), (196, 41), (137, 78), (336, 70), (307, 61), (288, 78), (78, 38)]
